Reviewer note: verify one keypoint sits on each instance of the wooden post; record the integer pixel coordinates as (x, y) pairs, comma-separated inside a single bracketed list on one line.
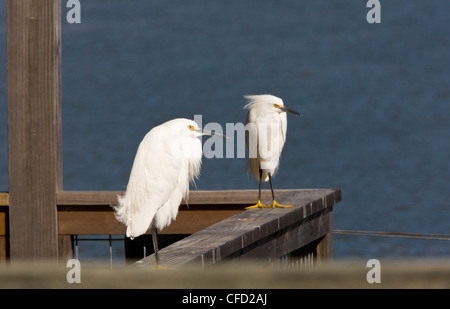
[(4, 249), (324, 247), (34, 127)]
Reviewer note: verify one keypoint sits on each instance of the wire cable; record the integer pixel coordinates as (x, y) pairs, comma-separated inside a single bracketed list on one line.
[(428, 236)]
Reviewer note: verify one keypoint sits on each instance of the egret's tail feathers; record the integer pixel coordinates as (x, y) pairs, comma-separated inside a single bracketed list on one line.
[(137, 219), (138, 225), (129, 233)]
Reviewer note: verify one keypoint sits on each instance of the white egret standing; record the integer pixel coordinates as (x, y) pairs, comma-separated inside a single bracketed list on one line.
[(167, 160), (266, 123)]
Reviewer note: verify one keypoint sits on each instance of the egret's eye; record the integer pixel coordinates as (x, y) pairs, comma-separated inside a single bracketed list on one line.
[(276, 106), (191, 128)]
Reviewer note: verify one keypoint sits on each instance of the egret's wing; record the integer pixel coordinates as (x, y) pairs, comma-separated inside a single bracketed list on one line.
[(153, 179), (268, 135), (185, 155), (251, 140)]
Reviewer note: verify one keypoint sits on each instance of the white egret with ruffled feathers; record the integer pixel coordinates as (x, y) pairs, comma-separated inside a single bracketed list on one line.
[(266, 123), (167, 160)]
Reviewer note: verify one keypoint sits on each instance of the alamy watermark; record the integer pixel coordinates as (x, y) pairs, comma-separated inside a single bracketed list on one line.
[(374, 14), (73, 16), (74, 274), (374, 274)]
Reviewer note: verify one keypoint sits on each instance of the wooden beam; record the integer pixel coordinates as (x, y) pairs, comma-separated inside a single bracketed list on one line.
[(34, 127), (266, 233), (188, 221), (90, 212), (197, 197)]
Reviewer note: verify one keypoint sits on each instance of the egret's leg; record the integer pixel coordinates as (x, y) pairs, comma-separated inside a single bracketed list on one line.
[(274, 203), (259, 204), (155, 243)]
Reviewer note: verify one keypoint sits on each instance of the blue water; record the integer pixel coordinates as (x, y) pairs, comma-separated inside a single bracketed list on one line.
[(375, 100)]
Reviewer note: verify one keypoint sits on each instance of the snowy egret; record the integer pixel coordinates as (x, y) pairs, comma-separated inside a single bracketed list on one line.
[(267, 123), (167, 160)]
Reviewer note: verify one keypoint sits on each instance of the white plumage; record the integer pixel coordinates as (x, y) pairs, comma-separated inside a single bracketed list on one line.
[(270, 126), (267, 125), (167, 160)]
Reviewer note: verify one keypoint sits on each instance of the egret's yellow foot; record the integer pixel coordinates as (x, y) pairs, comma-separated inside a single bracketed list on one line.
[(275, 204), (258, 205)]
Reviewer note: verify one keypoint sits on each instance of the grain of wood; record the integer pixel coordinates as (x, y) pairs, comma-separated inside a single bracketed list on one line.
[(196, 197), (264, 233), (34, 127)]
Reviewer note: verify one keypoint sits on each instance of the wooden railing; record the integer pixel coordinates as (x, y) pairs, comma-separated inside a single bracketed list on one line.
[(262, 234), (216, 220)]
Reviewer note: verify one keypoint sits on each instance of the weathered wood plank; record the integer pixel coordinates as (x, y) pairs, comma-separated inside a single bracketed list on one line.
[(34, 127), (290, 239), (279, 229), (90, 198), (103, 222), (197, 197)]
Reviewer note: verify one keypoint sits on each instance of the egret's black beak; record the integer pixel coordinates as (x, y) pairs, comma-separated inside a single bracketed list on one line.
[(285, 109), (213, 133)]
